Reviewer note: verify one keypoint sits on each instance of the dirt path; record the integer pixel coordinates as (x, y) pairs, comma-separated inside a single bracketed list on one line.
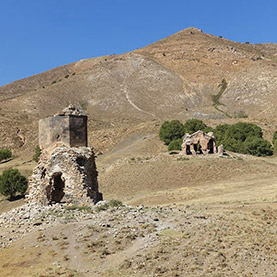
[(126, 148)]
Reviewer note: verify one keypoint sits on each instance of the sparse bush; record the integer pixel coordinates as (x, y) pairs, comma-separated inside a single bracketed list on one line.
[(5, 154), (240, 114), (37, 154), (175, 145), (102, 207), (85, 209), (274, 142), (110, 204), (193, 125), (115, 203), (274, 137), (84, 106), (11, 182), (172, 130)]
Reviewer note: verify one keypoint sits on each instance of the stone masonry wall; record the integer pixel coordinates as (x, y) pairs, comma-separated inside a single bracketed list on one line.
[(68, 175)]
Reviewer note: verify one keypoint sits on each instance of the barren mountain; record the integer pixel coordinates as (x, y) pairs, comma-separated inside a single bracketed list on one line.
[(216, 215), (175, 77)]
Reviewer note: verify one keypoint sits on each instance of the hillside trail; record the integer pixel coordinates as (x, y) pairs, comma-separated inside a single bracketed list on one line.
[(126, 92), (126, 148)]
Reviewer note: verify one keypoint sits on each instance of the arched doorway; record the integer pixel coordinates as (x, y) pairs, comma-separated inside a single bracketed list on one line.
[(211, 146), (198, 148), (57, 188)]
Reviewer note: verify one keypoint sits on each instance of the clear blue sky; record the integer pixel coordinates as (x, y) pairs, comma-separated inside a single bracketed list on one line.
[(37, 35)]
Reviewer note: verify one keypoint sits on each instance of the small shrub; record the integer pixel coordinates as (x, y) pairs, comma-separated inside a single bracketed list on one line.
[(53, 82), (240, 114), (275, 147), (170, 131), (102, 207), (37, 154), (11, 182), (84, 106), (110, 204), (274, 137), (5, 154), (175, 145), (115, 203), (182, 159), (85, 209)]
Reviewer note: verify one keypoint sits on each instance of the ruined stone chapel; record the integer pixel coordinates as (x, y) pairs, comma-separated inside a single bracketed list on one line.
[(66, 171), (199, 143)]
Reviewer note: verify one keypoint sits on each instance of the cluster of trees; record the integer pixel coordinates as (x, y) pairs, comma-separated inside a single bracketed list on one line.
[(246, 138), (241, 137), (172, 132)]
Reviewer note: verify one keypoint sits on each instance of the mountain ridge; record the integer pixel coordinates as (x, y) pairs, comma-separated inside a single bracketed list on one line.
[(175, 77)]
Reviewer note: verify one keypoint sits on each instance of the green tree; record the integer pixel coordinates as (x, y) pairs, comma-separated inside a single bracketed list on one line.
[(241, 131), (193, 125), (258, 147), (170, 131), (11, 182), (37, 153), (244, 138), (219, 133), (175, 145), (5, 154)]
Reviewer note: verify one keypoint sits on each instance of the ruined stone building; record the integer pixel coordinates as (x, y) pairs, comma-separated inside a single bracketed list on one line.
[(66, 171), (199, 143)]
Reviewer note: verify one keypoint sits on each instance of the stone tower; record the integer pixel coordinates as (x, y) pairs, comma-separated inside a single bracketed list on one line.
[(66, 171), (68, 127)]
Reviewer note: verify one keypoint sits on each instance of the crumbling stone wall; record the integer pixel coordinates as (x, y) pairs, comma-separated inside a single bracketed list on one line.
[(68, 175)]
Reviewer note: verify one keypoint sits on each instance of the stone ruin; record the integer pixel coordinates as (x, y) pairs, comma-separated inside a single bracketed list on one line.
[(199, 143), (66, 171)]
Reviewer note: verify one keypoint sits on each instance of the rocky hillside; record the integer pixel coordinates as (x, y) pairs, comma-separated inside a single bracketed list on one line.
[(118, 240), (174, 77)]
